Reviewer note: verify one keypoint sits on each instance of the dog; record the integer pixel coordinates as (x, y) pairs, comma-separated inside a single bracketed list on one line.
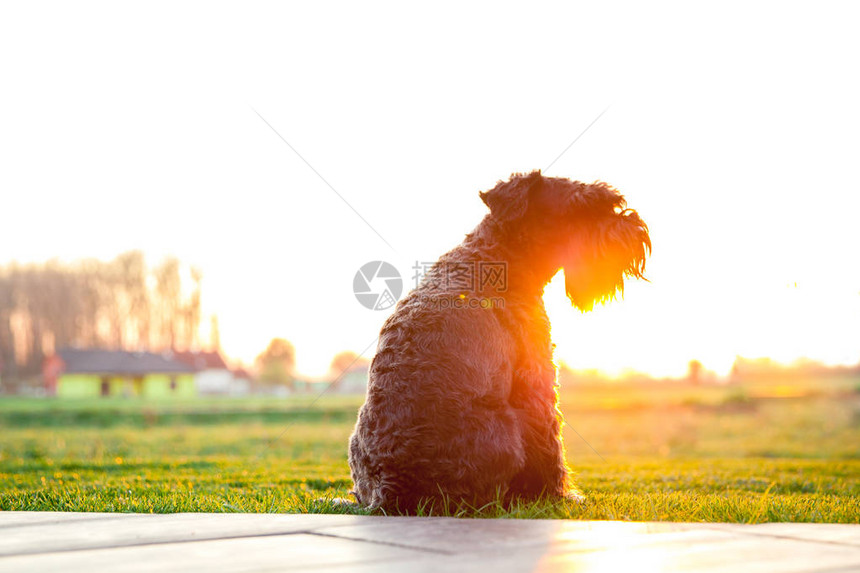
[(462, 399)]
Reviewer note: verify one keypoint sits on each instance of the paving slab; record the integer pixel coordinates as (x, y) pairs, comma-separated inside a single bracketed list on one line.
[(292, 552), (20, 518), (105, 530), (824, 532), (451, 535), (71, 542)]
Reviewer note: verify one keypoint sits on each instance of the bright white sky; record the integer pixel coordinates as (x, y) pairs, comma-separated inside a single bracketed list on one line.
[(732, 129)]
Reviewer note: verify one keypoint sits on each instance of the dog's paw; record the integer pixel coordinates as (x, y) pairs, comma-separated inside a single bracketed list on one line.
[(342, 502), (576, 497)]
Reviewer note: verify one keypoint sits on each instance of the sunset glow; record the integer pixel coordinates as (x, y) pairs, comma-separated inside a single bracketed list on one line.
[(740, 155)]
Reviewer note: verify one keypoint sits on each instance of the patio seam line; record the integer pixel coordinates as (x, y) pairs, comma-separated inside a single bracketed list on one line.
[(224, 538), (388, 543), (147, 543), (787, 537), (518, 545), (571, 547)]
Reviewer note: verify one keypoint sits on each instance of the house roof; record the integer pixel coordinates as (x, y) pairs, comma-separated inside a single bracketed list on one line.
[(91, 361), (241, 373), (202, 360)]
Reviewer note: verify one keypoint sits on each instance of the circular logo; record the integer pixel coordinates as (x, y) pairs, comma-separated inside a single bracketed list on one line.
[(377, 285)]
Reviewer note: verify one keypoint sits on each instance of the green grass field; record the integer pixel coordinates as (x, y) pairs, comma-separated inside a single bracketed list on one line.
[(670, 452)]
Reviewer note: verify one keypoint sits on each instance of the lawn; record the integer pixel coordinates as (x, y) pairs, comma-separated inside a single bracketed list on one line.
[(672, 452)]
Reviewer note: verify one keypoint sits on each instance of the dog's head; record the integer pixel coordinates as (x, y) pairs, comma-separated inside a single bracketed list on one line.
[(585, 228)]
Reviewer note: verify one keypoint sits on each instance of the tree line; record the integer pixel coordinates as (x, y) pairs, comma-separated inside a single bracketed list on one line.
[(119, 304)]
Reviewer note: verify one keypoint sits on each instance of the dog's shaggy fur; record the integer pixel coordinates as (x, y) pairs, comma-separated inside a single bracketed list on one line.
[(462, 401)]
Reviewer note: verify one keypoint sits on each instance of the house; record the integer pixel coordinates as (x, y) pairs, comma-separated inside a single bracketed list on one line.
[(353, 380), (87, 373), (242, 382), (212, 376), (310, 385)]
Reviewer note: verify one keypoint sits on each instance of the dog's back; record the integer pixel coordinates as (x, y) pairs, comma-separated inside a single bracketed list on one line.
[(436, 425)]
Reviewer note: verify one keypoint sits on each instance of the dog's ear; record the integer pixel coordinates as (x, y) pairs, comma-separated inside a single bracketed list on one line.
[(509, 200)]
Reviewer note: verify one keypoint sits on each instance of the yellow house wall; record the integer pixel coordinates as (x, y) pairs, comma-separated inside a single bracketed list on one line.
[(158, 386), (150, 386), (79, 386)]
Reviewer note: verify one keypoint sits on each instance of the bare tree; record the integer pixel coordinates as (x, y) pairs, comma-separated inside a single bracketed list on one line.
[(694, 371), (168, 288), (129, 274), (90, 303), (191, 312), (214, 334)]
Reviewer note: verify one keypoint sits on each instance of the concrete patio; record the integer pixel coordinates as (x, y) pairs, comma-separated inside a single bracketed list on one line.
[(33, 541)]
